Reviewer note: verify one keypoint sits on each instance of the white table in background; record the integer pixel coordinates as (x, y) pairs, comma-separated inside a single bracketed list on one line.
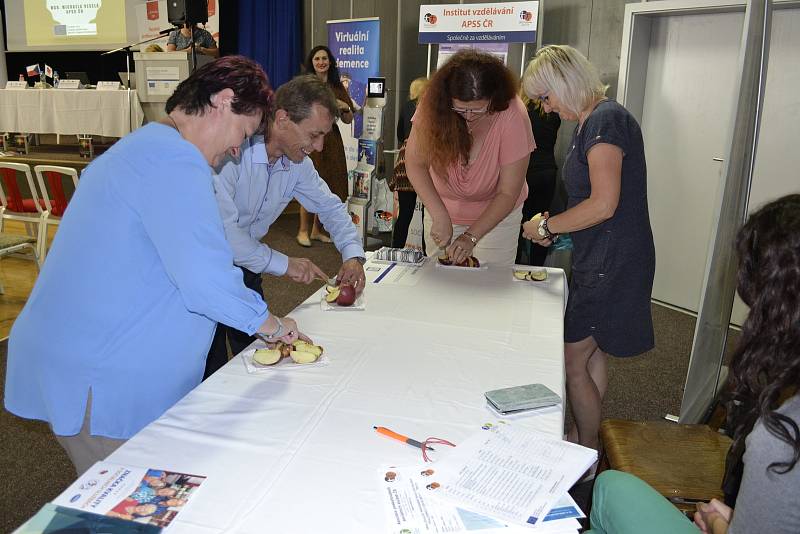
[(295, 451), (70, 111)]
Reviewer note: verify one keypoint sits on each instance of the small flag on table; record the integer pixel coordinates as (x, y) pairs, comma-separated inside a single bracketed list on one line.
[(48, 71), (33, 70)]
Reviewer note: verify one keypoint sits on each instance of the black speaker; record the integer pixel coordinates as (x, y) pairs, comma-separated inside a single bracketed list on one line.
[(191, 11)]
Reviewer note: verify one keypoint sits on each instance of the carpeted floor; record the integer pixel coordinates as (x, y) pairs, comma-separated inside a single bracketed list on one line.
[(35, 469)]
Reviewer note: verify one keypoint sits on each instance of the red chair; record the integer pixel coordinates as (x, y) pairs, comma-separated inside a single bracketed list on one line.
[(20, 200), (57, 185)]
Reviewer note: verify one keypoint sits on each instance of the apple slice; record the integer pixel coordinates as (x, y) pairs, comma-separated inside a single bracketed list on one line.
[(267, 356), (332, 295), (521, 275), (301, 356), (305, 346), (538, 276)]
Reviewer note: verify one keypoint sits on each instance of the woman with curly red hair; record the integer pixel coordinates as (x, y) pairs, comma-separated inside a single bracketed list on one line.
[(467, 156)]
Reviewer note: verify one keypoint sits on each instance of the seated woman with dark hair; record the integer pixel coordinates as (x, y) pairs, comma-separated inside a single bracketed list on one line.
[(764, 368)]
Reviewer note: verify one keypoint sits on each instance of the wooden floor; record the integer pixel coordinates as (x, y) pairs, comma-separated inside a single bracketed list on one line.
[(17, 276)]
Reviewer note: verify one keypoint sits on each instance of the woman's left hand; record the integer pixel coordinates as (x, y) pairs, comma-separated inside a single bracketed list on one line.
[(530, 230), (460, 249), (708, 513)]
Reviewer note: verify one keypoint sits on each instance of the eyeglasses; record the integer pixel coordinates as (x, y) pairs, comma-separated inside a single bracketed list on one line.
[(426, 446), (466, 112)]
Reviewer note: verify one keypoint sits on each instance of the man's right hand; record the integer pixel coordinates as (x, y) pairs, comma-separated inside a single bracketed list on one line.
[(304, 270)]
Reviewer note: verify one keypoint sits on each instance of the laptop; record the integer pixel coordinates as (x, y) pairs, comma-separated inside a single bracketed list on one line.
[(82, 76), (122, 77)]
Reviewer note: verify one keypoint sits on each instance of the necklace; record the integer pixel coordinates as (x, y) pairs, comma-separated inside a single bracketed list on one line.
[(472, 125)]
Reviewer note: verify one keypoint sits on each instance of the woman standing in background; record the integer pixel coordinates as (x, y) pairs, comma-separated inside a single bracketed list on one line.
[(406, 196), (331, 163), (541, 175)]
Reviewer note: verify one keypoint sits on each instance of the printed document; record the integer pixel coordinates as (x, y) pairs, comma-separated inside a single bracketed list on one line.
[(413, 508), (513, 474)]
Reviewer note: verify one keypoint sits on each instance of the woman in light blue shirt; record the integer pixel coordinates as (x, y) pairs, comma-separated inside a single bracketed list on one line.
[(121, 317)]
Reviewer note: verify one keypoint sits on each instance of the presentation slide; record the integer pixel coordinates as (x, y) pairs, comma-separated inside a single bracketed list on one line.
[(64, 25), (71, 25), (74, 22)]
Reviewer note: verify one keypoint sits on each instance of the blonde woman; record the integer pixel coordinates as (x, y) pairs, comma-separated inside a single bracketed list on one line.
[(613, 259)]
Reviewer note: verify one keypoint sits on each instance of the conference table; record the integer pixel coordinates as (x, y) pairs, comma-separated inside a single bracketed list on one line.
[(293, 449), (70, 111)]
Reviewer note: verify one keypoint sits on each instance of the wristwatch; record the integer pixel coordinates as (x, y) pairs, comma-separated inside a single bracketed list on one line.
[(544, 232), (360, 259)]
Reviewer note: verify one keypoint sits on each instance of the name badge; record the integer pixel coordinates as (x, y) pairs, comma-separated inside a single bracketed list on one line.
[(108, 86), (69, 84)]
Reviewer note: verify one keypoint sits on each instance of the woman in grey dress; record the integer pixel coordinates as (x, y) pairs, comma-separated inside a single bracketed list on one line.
[(613, 260)]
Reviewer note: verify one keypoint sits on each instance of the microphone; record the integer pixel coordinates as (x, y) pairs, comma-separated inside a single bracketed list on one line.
[(165, 32)]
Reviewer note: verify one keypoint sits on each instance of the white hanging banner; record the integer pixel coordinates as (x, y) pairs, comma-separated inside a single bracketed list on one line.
[(506, 22)]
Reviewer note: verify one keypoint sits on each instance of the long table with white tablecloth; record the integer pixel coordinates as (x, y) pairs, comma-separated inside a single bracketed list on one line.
[(294, 451), (70, 111)]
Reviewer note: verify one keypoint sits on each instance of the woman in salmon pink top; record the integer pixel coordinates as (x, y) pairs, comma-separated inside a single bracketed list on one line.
[(467, 156)]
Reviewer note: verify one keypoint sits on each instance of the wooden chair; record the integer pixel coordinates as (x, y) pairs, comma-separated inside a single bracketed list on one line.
[(685, 463)]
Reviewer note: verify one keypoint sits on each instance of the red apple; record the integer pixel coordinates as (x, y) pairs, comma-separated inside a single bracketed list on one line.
[(347, 295)]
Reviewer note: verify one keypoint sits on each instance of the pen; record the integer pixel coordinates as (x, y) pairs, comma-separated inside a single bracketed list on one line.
[(399, 437)]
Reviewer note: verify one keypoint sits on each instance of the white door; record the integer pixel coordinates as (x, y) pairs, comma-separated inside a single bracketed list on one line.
[(689, 91)]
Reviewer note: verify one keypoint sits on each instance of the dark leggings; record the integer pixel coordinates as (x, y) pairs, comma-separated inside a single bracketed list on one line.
[(218, 353), (407, 201), (541, 187)]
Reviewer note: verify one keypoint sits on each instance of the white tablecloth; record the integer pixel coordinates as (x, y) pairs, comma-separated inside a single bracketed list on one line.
[(70, 111), (295, 451)]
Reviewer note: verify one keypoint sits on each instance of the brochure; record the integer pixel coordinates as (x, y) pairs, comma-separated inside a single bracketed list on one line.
[(148, 496), (52, 519)]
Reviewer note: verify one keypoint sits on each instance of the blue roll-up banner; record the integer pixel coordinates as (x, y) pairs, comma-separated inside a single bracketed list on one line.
[(356, 44)]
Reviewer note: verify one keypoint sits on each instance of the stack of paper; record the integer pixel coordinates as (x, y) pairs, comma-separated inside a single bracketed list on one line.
[(512, 474)]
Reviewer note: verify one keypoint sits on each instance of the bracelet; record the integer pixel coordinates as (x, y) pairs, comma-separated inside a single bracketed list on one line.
[(471, 237), (278, 331)]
